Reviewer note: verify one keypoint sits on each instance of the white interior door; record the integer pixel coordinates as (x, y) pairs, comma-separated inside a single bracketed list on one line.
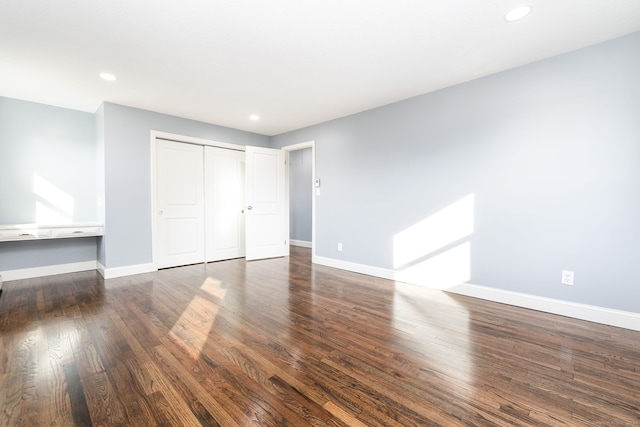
[(179, 204), (224, 203), (267, 222)]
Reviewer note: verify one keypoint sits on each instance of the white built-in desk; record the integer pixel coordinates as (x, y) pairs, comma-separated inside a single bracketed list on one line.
[(18, 232)]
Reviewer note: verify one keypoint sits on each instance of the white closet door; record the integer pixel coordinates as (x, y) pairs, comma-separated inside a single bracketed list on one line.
[(179, 204), (224, 203), (267, 223)]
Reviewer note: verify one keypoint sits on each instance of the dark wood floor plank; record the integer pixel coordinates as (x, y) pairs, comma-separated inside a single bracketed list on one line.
[(34, 407), (151, 380), (281, 380), (285, 342), (123, 385), (196, 387), (79, 408), (13, 385)]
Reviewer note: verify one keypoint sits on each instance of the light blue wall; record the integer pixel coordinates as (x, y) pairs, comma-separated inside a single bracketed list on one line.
[(300, 194), (102, 161), (550, 151), (99, 124), (58, 146), (31, 254), (127, 240)]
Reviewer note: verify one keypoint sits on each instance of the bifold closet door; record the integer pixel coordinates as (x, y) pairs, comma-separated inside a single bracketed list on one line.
[(224, 203), (179, 204)]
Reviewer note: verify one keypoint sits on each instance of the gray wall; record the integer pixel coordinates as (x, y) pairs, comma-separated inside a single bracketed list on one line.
[(102, 161), (300, 194), (550, 151), (58, 146), (127, 158), (99, 124), (31, 254)]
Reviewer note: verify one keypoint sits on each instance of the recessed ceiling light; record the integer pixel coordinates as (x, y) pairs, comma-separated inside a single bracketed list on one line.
[(254, 117), (518, 13), (108, 76)]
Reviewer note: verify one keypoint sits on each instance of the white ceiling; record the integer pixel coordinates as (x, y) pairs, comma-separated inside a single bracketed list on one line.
[(293, 62)]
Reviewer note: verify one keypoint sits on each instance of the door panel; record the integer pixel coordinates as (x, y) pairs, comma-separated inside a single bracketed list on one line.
[(179, 204), (182, 235), (267, 225), (224, 203)]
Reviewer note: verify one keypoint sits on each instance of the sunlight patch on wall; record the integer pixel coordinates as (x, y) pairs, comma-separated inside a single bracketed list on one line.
[(441, 271), (54, 205), (433, 251), (191, 331)]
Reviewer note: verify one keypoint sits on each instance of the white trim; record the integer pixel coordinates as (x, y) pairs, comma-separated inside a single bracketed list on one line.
[(356, 268), (192, 140), (155, 135), (22, 232), (154, 203), (101, 268), (299, 146), (309, 144), (112, 273), (48, 270), (591, 313), (301, 243)]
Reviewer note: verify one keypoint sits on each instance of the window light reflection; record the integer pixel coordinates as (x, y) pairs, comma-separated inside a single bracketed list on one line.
[(435, 251)]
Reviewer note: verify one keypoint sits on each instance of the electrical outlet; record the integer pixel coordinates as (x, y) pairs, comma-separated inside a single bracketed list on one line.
[(339, 247), (567, 277)]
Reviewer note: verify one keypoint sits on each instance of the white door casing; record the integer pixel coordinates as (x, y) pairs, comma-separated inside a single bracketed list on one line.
[(179, 208), (224, 203), (266, 222)]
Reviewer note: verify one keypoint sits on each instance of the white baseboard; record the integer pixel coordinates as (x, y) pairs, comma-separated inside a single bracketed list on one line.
[(356, 268), (603, 315), (112, 273), (302, 243), (48, 270)]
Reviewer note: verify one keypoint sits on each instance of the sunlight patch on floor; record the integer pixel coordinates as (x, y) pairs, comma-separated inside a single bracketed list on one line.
[(443, 340), (192, 329)]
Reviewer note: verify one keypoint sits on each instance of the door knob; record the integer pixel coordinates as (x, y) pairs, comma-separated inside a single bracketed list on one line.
[(160, 213), (249, 208)]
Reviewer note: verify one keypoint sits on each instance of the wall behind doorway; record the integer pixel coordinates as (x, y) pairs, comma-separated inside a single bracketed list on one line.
[(300, 195)]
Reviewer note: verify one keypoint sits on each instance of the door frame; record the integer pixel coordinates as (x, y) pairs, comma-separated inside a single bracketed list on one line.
[(288, 148), (154, 136)]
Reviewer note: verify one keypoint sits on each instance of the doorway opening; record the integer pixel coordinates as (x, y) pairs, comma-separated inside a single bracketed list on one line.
[(301, 194)]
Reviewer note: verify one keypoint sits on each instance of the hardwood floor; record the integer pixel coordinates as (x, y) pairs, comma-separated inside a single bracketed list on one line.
[(281, 342)]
